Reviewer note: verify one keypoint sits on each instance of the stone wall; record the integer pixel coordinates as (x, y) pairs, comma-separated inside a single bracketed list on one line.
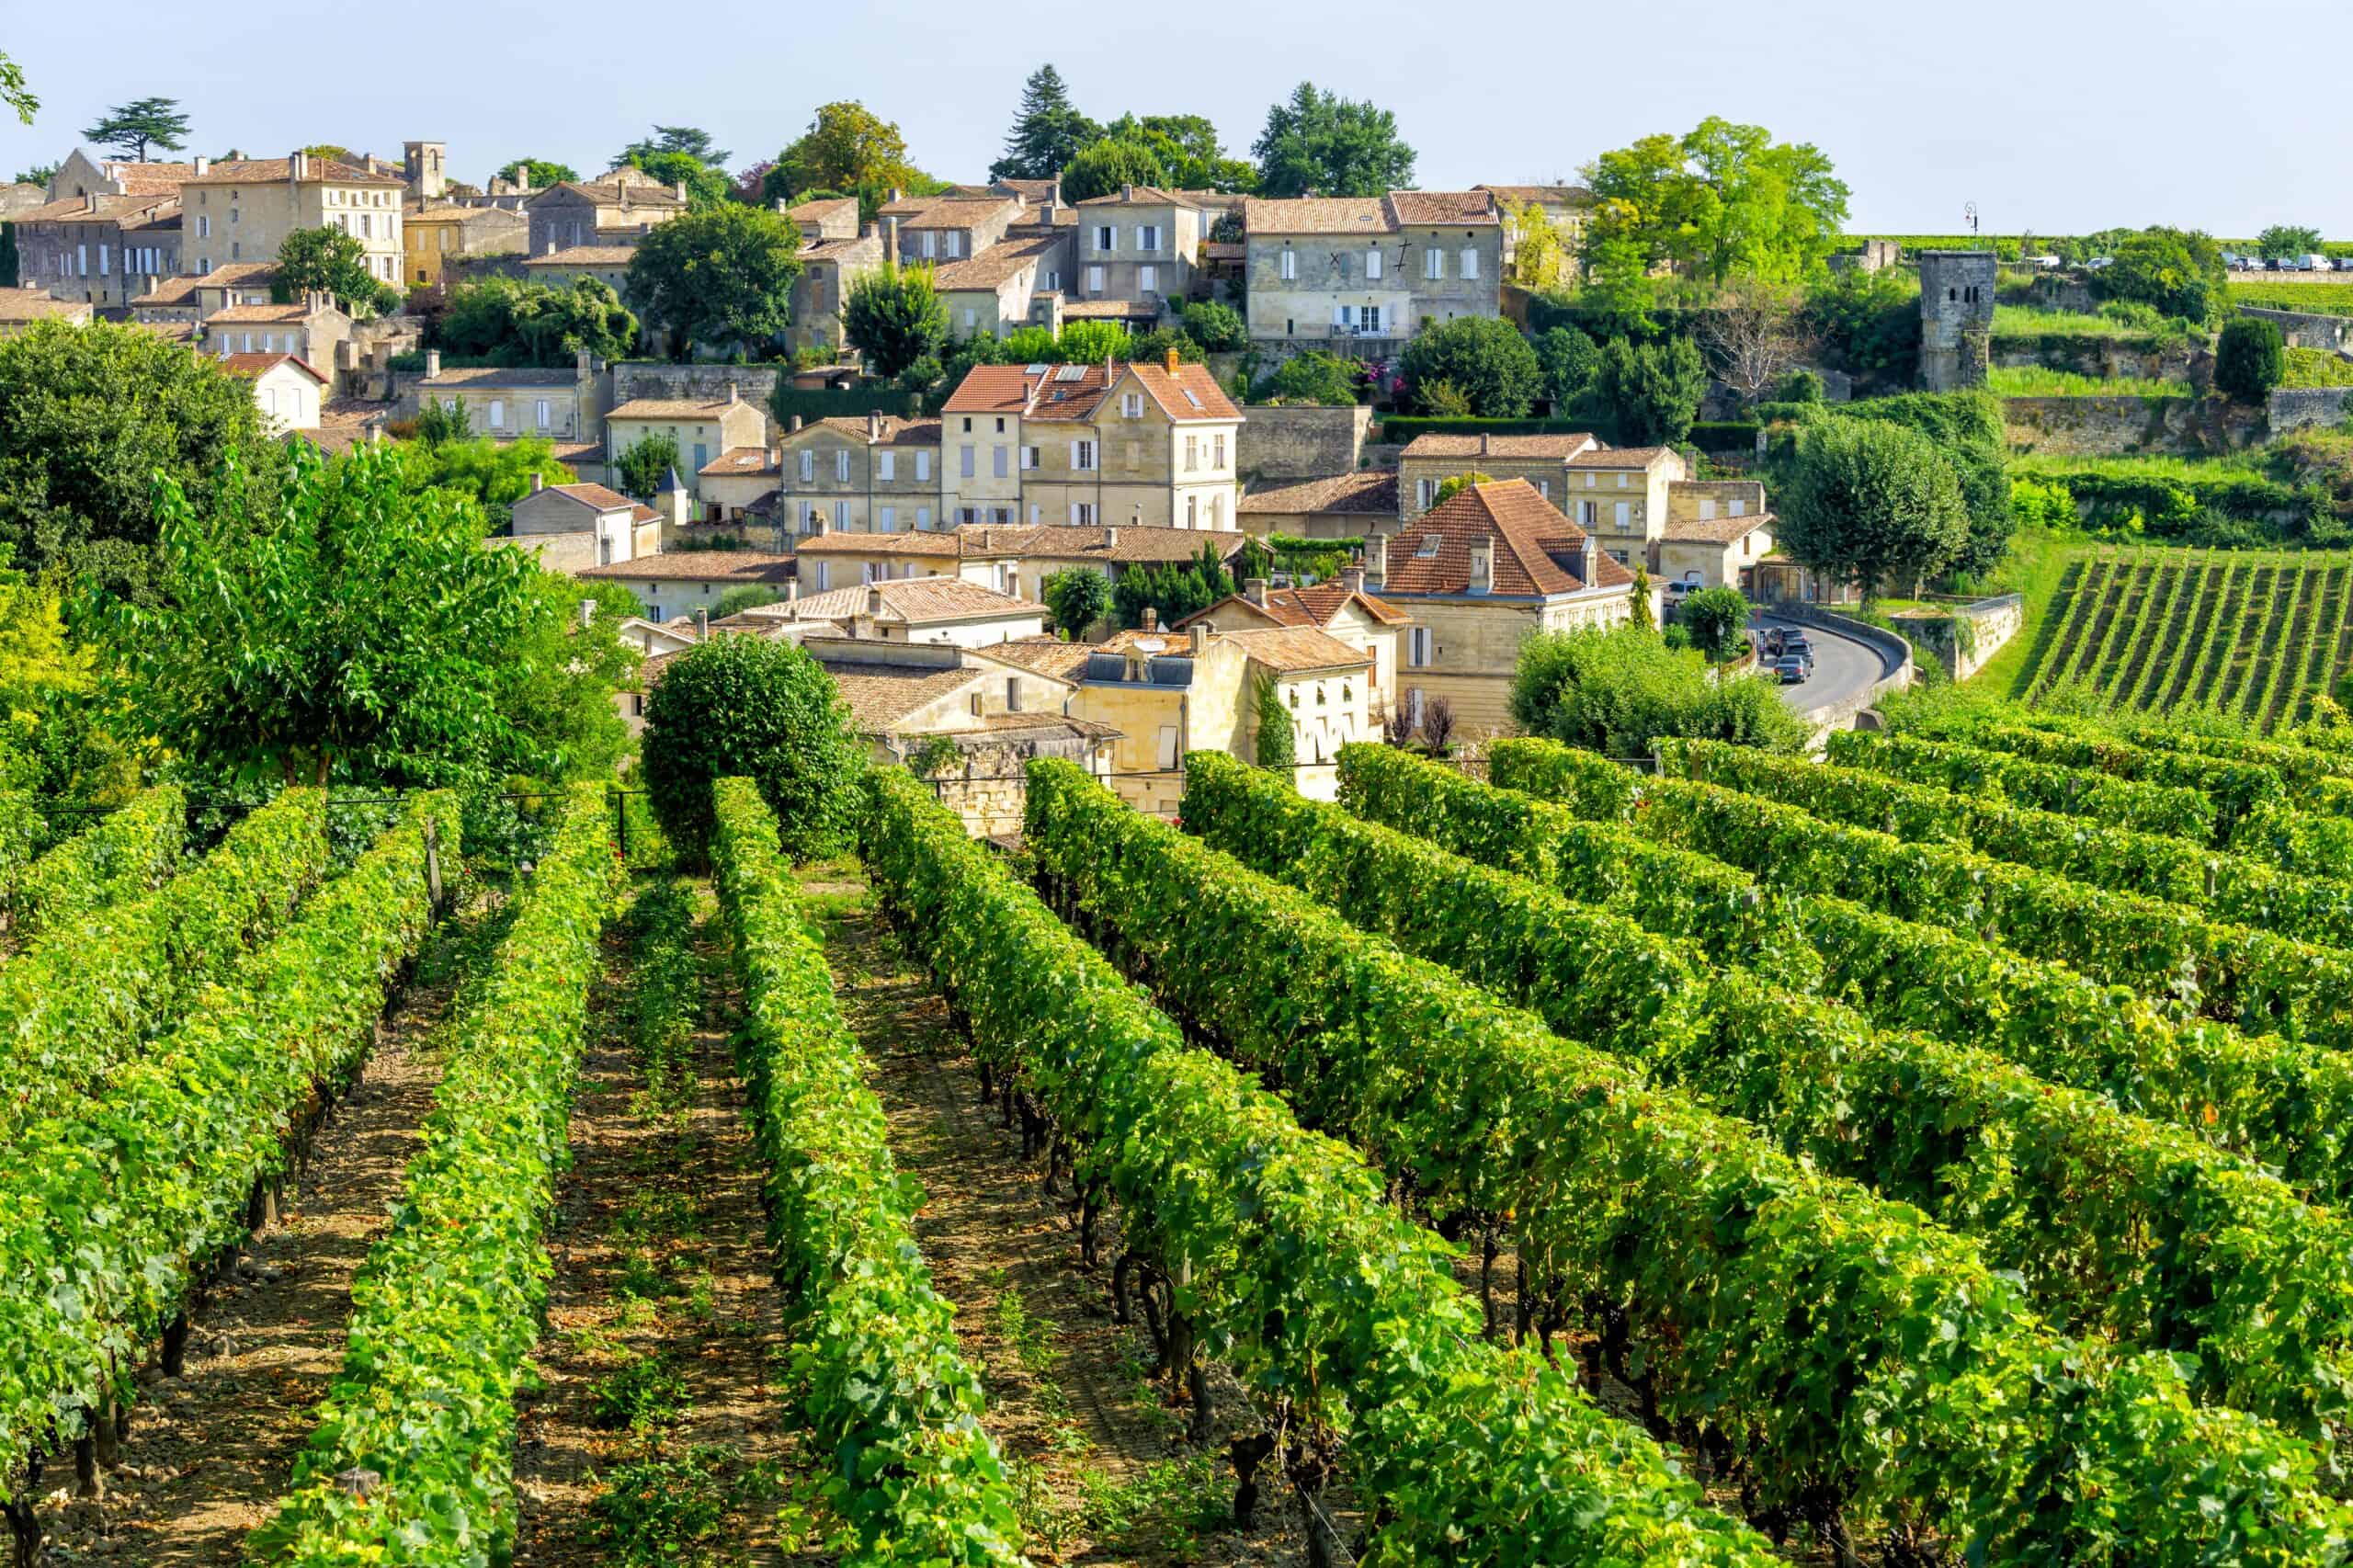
[(2303, 331), (1990, 622), (2296, 408), (707, 383), (1285, 442), (2125, 426), (1895, 665), (2102, 357)]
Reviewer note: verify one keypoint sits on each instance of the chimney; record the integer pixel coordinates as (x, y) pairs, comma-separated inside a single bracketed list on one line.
[(584, 364), (1376, 561), (781, 206), (1255, 590), (1127, 193), (1173, 361), (891, 243), (538, 484), (680, 189), (792, 590), (432, 363), (368, 162), (1352, 579), (734, 395), (297, 167), (796, 425), (522, 179), (587, 606), (1586, 562), (873, 601), (202, 165), (897, 195), (1200, 631), (549, 249), (702, 625), (873, 425), (1151, 619), (1483, 565), (1111, 538), (89, 202), (1054, 194)]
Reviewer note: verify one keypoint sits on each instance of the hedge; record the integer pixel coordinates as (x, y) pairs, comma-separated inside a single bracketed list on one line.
[(1401, 429), (2111, 1219), (108, 1214), (1341, 1318), (883, 1390), (1838, 1350), (123, 854), (2068, 791), (447, 1305), (821, 403)]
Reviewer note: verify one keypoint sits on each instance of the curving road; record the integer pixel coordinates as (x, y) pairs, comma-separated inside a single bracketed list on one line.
[(1843, 668)]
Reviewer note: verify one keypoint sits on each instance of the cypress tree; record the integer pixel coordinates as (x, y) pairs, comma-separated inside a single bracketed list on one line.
[(1047, 132)]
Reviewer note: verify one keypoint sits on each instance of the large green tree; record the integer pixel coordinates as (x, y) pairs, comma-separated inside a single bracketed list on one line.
[(1484, 358), (1047, 131), (1872, 502), (1622, 690), (1079, 596), (352, 631), (1313, 377), (1650, 392), (2281, 241), (1187, 148), (718, 277), (134, 127), (511, 323), (90, 418), (494, 474), (543, 171), (895, 317), (2179, 271), (851, 149), (1102, 167), (669, 139), (1319, 142), (1721, 201), (641, 466), (328, 261), (706, 187)]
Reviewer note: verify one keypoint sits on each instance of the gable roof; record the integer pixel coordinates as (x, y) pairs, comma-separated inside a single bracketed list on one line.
[(39, 305), (501, 376), (1368, 214), (583, 255), (895, 430), (259, 171), (935, 544), (607, 192), (1076, 392), (96, 208), (148, 179), (1186, 393), (1483, 445), (599, 498), (1536, 549), (740, 463), (278, 313), (1714, 530), (1367, 491), (1139, 195), (949, 212), (695, 565), (918, 601), (993, 266), (1318, 605), (819, 211), (1041, 655), (679, 408), (258, 365), (1295, 650)]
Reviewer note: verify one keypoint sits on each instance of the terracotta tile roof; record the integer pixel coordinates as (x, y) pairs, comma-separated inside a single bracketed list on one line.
[(739, 462), (818, 212), (838, 250), (1125, 545), (255, 365), (38, 304), (1563, 446), (583, 255), (1042, 655), (1620, 456), (1318, 605), (501, 376), (918, 601), (271, 313), (695, 565), (1187, 394), (938, 544), (607, 192), (186, 332), (1542, 194), (1076, 392), (260, 274), (1535, 547), (677, 409), (102, 210), (993, 266), (1714, 530), (879, 696), (1367, 491), (170, 291), (1142, 195), (1223, 250), (897, 431), (256, 171), (603, 499), (950, 212), (591, 452), (1296, 649), (1368, 214), (149, 180), (1465, 207)]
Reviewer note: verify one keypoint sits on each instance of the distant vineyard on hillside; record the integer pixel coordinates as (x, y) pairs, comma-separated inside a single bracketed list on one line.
[(2238, 632)]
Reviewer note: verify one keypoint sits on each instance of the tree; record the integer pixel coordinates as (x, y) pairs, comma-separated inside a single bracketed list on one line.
[(89, 418), (749, 706), (39, 174), (493, 473), (1867, 321), (716, 278), (1639, 597), (1967, 431), (895, 317), (133, 127), (1618, 292), (1186, 147), (1718, 618), (354, 632), (706, 186), (328, 261), (1216, 326), (1103, 167), (1485, 357), (1047, 132), (1619, 691), (1454, 484), (333, 151), (847, 148), (2250, 359), (1539, 257), (561, 673), (510, 323), (439, 422), (14, 93), (1174, 590), (644, 463), (1313, 377), (1274, 745), (1651, 393), (672, 138), (1720, 201), (1870, 501), (2282, 240), (744, 597), (1079, 596), (542, 171), (1319, 142), (1566, 361), (2179, 271), (1752, 334)]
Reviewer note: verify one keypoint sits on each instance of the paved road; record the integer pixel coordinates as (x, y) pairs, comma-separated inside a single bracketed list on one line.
[(1843, 668)]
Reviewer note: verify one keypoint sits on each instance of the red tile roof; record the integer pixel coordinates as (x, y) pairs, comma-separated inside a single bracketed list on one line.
[(1076, 392), (1368, 490), (1536, 551), (252, 171), (1561, 447)]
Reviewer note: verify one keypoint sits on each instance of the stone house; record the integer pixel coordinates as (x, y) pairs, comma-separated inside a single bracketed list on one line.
[(1138, 445), (1340, 609), (287, 390), (243, 210), (702, 429), (1479, 575), (1565, 207), (829, 560), (1717, 531), (81, 175), (23, 308), (845, 475), (686, 582), (564, 405), (1344, 505), (942, 229), (1002, 290), (1360, 275), (439, 232), (832, 219), (311, 331), (735, 481), (578, 525), (1138, 243), (624, 201), (1619, 493), (916, 609), (105, 250), (608, 264), (1012, 559), (834, 255)]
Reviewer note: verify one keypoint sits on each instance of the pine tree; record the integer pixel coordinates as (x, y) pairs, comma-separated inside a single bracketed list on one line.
[(1046, 133)]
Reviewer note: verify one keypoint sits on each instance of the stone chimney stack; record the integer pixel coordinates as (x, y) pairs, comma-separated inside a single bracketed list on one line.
[(203, 164), (1199, 631), (297, 167), (734, 395), (702, 625), (680, 190), (1376, 561), (584, 364), (795, 423), (1173, 361), (538, 484), (1111, 538), (89, 202), (873, 425), (890, 242), (1255, 590), (873, 601), (1483, 565), (1352, 579), (432, 363), (1150, 620), (1127, 193), (792, 592)]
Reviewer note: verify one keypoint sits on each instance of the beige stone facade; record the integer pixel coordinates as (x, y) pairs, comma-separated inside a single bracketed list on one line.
[(1717, 531), (310, 331), (244, 210), (1137, 243), (879, 475), (1619, 494), (1362, 274), (434, 235), (102, 250), (625, 201), (287, 390), (702, 430), (565, 407)]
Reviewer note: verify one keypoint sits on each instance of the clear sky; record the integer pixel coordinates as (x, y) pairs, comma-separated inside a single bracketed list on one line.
[(2059, 116)]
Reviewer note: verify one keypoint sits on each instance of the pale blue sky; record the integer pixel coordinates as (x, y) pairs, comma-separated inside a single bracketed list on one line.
[(2058, 116)]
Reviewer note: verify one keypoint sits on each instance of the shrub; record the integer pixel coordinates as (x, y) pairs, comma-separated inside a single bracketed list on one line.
[(1619, 691), (2250, 359), (764, 710), (1717, 618), (1313, 377), (1218, 328), (1485, 358), (1651, 394)]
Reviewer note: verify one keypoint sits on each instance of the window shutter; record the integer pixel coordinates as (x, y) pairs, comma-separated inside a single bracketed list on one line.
[(1074, 456)]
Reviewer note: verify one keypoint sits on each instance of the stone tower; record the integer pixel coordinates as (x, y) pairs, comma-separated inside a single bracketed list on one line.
[(425, 166), (1955, 318)]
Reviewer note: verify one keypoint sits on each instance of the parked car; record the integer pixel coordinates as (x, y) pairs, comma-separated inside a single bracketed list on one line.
[(2047, 263), (2096, 263), (1793, 669), (1770, 640), (1798, 643), (2315, 264)]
